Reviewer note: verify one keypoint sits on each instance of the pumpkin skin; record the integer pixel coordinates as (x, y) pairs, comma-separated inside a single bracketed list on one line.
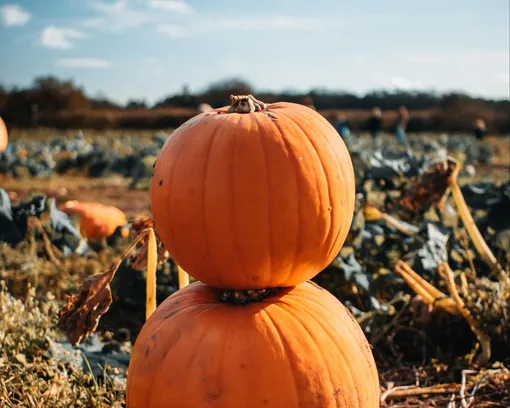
[(243, 201), (3, 136), (299, 348), (96, 220)]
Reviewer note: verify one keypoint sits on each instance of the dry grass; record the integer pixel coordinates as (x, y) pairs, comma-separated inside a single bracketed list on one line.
[(26, 267), (30, 376)]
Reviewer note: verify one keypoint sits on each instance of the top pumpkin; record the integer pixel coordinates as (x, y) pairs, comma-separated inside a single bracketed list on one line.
[(254, 196)]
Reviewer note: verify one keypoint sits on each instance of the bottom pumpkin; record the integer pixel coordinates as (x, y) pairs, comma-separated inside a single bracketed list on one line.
[(298, 348)]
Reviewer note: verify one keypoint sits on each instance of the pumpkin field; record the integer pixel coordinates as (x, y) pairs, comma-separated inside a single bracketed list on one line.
[(253, 257)]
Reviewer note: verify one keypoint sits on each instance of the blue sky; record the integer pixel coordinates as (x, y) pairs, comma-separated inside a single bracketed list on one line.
[(149, 48)]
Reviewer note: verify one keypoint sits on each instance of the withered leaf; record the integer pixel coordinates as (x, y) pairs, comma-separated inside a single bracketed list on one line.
[(80, 316), (139, 258), (428, 189)]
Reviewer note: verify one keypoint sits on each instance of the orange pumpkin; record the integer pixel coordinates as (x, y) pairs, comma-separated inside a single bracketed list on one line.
[(96, 220), (299, 348), (3, 136), (251, 197)]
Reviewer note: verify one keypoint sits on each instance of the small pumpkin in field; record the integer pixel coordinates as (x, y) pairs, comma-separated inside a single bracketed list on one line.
[(254, 196), (3, 136), (96, 220), (299, 347)]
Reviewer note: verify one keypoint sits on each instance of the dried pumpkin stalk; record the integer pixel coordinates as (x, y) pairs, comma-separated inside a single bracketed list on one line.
[(140, 258), (452, 304), (430, 294), (373, 214), (433, 188), (485, 341), (467, 219), (183, 277), (152, 266)]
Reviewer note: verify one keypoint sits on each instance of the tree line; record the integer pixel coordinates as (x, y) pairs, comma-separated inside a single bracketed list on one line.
[(50, 101)]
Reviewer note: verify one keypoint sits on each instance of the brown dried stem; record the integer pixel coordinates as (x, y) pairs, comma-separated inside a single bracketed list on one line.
[(35, 223), (373, 214), (183, 277), (484, 339), (413, 391), (430, 294), (245, 104), (152, 266), (467, 219)]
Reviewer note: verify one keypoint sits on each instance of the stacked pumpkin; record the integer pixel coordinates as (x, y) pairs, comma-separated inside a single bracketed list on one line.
[(3, 136), (253, 200)]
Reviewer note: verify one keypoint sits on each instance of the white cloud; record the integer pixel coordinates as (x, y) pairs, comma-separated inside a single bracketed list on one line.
[(406, 84), (274, 23), (171, 5), (278, 23), (94, 63), (123, 14), (61, 38), (14, 15), (172, 30), (252, 24), (117, 16)]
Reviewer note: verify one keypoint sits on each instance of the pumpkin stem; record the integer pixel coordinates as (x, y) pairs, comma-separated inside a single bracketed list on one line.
[(245, 104), (241, 297)]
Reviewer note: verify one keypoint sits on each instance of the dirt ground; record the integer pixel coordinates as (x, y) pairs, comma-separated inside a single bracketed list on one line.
[(111, 190)]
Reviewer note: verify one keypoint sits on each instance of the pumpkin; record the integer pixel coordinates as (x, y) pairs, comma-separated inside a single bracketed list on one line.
[(96, 220), (297, 348), (254, 196), (3, 136)]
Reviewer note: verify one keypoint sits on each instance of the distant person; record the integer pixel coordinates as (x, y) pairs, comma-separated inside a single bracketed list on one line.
[(401, 125), (342, 126), (374, 124), (479, 130), (34, 108)]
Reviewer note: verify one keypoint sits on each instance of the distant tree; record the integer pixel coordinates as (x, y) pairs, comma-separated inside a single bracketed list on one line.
[(218, 93), (102, 102), (459, 111), (51, 83), (52, 95), (136, 104), (184, 99), (48, 95), (186, 91), (4, 95)]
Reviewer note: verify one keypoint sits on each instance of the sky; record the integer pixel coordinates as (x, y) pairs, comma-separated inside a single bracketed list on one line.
[(147, 49)]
